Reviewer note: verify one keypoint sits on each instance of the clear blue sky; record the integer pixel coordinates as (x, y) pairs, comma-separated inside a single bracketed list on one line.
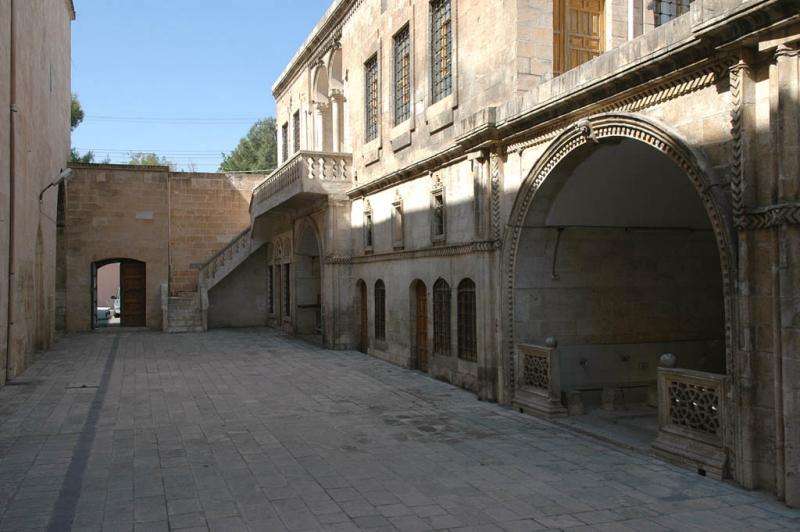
[(142, 67)]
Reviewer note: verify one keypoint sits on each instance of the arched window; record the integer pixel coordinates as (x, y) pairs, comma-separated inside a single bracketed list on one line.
[(467, 343), (441, 318), (380, 310)]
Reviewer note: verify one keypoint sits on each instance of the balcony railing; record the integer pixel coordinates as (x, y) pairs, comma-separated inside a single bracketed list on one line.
[(306, 172), (691, 418), (538, 380)]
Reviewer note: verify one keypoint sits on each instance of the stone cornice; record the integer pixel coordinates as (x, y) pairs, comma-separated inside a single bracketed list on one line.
[(326, 30), (484, 246), (71, 8)]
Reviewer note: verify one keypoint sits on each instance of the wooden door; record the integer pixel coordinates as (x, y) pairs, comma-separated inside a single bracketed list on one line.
[(577, 33), (421, 327), (363, 343), (133, 287)]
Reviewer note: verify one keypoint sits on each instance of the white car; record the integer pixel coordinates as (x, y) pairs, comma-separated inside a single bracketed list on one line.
[(103, 315)]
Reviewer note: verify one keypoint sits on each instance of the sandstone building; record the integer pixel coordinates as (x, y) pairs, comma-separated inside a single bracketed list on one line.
[(34, 150), (536, 200), (566, 207)]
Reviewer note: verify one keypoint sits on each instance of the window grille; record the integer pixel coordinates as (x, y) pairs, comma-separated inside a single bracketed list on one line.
[(467, 343), (380, 310), (371, 100), (441, 50), (666, 10), (441, 318), (402, 75), (438, 221), (285, 140), (271, 289), (287, 286), (296, 132), (368, 230)]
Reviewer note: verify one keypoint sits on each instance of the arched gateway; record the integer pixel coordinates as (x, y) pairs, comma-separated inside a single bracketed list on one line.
[(618, 251)]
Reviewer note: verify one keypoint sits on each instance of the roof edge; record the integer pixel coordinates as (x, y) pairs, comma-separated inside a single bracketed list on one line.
[(334, 14), (71, 8)]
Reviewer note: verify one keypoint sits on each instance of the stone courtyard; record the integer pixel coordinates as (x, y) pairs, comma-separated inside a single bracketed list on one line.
[(252, 430)]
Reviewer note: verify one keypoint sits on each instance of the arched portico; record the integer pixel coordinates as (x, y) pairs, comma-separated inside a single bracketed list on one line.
[(609, 246)]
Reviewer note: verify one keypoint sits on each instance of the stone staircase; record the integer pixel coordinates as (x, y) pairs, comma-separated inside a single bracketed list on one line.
[(184, 313)]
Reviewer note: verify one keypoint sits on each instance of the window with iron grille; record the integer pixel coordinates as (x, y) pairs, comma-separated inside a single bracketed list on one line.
[(296, 126), (285, 140), (438, 223), (441, 318), (271, 289), (380, 310), (368, 230), (467, 341), (441, 50), (371, 97), (402, 75), (287, 286), (666, 10)]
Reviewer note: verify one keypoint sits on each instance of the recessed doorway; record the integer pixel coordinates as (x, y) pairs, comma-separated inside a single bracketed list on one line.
[(119, 293)]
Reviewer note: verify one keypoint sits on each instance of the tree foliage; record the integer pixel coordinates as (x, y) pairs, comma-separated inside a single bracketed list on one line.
[(149, 159), (76, 115), (258, 151)]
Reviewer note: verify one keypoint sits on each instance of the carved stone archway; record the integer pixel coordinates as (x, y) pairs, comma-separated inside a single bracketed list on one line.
[(715, 201)]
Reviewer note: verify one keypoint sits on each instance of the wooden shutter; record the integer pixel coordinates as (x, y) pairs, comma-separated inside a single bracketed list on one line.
[(577, 33)]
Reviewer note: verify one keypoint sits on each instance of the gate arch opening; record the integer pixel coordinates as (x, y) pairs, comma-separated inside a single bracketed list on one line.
[(616, 252), (119, 293)]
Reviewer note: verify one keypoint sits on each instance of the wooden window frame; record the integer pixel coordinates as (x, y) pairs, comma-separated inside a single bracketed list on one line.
[(296, 131), (285, 141), (560, 51), (372, 89), (442, 45), (467, 321), (380, 311), (442, 319), (402, 59)]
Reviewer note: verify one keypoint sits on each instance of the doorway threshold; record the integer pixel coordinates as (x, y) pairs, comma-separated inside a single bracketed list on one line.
[(634, 428)]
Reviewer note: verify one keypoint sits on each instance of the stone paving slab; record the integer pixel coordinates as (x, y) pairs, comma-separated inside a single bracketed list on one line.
[(250, 430)]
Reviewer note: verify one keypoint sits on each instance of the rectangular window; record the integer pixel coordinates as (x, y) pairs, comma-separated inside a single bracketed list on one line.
[(438, 220), (380, 311), (441, 318), (371, 97), (397, 225), (368, 230), (296, 135), (287, 295), (271, 289), (467, 322), (666, 10), (441, 50), (285, 140), (402, 75)]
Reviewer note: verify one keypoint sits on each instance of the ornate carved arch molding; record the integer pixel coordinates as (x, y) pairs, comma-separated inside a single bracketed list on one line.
[(593, 130)]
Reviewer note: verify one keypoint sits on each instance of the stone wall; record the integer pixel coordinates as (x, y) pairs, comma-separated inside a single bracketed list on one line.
[(207, 212), (115, 212), (35, 70), (240, 300), (152, 215)]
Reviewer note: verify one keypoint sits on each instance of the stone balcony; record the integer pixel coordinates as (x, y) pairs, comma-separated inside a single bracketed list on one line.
[(307, 176)]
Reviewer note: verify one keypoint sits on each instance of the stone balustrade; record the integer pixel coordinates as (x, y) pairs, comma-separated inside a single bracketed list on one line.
[(307, 172), (691, 419), (538, 380), (231, 255)]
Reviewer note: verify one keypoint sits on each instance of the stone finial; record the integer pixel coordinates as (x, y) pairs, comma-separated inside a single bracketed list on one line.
[(551, 342), (667, 360)]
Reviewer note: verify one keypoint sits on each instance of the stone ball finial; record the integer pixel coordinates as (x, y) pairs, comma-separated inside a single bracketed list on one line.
[(668, 360), (551, 342)]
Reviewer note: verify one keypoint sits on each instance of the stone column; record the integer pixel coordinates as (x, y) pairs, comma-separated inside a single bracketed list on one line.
[(336, 126), (787, 245), (319, 126)]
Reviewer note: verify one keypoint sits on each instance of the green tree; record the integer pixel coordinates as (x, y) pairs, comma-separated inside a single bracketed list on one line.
[(258, 151), (76, 157), (76, 115), (149, 159)]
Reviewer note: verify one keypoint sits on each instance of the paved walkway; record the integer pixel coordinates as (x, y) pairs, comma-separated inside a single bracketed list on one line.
[(248, 430)]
